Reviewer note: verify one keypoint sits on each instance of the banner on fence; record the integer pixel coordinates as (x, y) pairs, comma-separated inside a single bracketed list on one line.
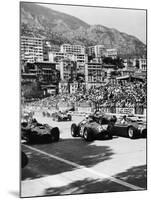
[(84, 109), (125, 111)]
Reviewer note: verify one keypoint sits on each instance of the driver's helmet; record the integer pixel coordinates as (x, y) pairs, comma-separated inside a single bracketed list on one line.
[(124, 117), (113, 119)]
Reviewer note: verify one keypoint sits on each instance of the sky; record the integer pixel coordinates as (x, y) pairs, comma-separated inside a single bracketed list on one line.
[(130, 21)]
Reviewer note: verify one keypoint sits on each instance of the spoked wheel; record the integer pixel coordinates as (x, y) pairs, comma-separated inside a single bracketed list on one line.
[(131, 132), (88, 135)]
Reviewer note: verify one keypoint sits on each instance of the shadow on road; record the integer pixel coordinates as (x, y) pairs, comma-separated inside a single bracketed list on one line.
[(74, 150), (135, 176)]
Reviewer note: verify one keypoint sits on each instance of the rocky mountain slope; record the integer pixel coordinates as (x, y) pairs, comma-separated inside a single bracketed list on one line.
[(61, 28)]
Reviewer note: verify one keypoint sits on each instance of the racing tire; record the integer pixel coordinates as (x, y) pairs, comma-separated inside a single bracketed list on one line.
[(31, 138), (88, 135), (74, 130), (55, 134), (131, 132)]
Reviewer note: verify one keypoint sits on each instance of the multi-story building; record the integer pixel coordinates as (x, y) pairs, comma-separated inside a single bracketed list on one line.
[(97, 51), (111, 53), (48, 47), (72, 49), (68, 70), (58, 56), (45, 71), (94, 74), (31, 49), (142, 64), (80, 58)]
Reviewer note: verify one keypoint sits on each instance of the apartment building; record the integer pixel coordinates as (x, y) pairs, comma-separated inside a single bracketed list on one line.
[(97, 51), (94, 74), (72, 49), (48, 47), (58, 56), (68, 70), (142, 64), (111, 53), (44, 71), (31, 49)]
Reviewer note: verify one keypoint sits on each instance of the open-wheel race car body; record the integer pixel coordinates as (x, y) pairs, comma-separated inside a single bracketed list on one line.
[(34, 132), (132, 127), (61, 116), (93, 128)]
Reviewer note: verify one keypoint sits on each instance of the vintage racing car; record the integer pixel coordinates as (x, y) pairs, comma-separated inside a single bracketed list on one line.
[(61, 116), (34, 132), (93, 127), (130, 126)]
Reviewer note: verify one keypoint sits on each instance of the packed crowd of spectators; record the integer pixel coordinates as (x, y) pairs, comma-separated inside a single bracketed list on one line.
[(129, 95)]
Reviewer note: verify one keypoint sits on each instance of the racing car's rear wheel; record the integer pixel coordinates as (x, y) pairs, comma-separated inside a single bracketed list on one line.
[(131, 132), (88, 135), (74, 130), (55, 134)]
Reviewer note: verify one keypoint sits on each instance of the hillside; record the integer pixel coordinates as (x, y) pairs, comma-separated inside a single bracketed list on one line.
[(61, 28)]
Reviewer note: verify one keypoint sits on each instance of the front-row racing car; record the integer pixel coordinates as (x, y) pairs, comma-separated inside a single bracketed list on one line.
[(61, 116), (130, 127), (34, 132), (93, 127), (103, 126)]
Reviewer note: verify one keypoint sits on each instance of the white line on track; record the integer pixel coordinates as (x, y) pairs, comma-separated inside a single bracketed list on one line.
[(101, 175)]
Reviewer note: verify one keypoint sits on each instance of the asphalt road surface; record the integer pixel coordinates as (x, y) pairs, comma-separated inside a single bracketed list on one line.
[(74, 166)]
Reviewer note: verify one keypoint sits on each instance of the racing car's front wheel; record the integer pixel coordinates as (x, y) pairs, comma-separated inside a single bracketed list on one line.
[(88, 135), (74, 130), (55, 134), (131, 132)]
